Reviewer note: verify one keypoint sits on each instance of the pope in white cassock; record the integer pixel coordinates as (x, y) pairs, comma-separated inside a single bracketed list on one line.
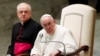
[(51, 38)]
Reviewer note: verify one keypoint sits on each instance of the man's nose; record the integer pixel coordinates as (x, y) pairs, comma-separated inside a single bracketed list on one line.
[(23, 13), (48, 26)]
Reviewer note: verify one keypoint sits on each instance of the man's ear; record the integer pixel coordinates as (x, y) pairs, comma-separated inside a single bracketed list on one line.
[(54, 21)]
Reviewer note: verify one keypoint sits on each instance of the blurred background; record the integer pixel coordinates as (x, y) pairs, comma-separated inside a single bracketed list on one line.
[(39, 7)]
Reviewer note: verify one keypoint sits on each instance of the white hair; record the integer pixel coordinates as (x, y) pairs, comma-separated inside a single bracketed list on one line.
[(46, 15), (24, 4)]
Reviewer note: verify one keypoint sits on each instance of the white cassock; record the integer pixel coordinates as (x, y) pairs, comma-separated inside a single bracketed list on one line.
[(61, 34)]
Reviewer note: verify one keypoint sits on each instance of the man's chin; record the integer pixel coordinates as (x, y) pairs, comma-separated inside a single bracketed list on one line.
[(50, 33)]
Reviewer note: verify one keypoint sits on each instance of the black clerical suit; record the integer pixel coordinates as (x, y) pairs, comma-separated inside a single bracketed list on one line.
[(28, 34)]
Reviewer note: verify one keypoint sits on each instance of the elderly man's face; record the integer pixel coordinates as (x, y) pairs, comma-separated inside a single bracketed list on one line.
[(48, 25), (23, 13)]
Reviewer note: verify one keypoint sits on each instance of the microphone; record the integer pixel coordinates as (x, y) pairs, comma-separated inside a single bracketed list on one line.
[(41, 35)]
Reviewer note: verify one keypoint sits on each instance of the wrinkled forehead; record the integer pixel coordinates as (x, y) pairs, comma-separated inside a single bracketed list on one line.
[(46, 20)]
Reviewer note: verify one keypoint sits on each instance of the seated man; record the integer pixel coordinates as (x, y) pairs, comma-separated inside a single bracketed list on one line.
[(50, 38)]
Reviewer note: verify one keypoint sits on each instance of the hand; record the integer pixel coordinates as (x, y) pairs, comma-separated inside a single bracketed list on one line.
[(8, 55), (33, 55), (55, 53)]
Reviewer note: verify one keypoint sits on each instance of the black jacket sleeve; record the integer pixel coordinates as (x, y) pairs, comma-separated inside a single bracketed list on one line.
[(10, 48)]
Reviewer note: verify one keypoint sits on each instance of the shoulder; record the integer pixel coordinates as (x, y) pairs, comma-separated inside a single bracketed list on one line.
[(42, 31), (34, 23), (17, 24)]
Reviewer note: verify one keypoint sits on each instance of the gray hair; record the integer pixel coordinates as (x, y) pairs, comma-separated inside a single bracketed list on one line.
[(24, 4), (46, 15)]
